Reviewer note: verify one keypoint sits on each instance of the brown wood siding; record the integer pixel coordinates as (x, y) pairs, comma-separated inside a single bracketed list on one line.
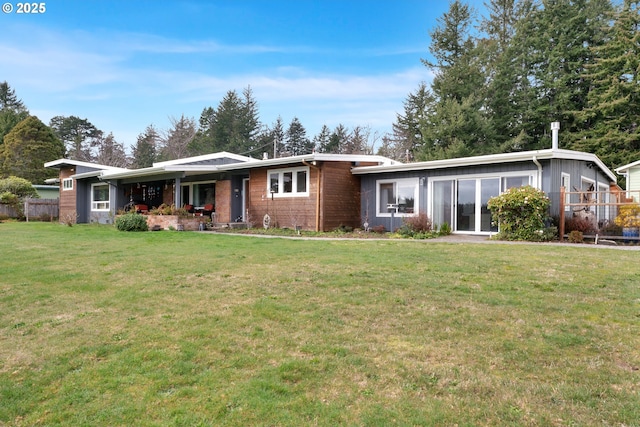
[(340, 196), (68, 198), (223, 201), (284, 211)]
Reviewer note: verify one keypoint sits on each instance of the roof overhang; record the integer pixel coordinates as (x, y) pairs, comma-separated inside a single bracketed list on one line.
[(308, 158), (521, 156), (623, 170)]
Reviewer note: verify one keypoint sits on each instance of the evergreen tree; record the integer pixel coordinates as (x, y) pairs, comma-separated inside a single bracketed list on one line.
[(322, 139), (276, 137), (407, 138), (144, 152), (455, 123), (338, 139), (501, 74), (296, 141), (554, 42), (12, 110), (78, 135), (234, 126), (9, 100), (611, 118), (26, 149), (203, 141)]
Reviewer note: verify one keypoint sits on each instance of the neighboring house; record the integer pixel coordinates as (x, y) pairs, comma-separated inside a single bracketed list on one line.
[(325, 191), (456, 191), (631, 172), (47, 191), (314, 191)]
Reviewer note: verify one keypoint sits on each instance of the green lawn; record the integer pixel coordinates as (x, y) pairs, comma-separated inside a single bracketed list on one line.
[(100, 327)]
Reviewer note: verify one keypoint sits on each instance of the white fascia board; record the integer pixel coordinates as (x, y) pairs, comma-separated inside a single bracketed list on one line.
[(319, 157), (62, 162), (204, 157), (625, 169), (132, 173), (521, 156)]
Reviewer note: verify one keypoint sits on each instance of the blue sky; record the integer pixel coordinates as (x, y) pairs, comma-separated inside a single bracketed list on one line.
[(125, 65)]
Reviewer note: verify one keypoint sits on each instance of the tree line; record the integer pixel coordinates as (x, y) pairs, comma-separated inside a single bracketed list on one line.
[(499, 81), (234, 126)]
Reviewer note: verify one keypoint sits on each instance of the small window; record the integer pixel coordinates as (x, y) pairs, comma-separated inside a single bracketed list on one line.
[(67, 184), (100, 197), (514, 181), (398, 197)]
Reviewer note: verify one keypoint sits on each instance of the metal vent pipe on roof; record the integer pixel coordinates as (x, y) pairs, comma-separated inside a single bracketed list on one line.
[(555, 128)]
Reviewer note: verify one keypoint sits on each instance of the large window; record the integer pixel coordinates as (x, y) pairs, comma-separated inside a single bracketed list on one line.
[(288, 182), (461, 202), (100, 197), (199, 193), (399, 196)]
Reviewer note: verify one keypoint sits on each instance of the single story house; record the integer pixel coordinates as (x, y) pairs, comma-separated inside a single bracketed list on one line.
[(314, 191), (325, 191), (456, 191)]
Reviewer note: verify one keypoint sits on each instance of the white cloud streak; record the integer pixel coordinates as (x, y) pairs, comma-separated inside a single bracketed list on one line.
[(101, 77)]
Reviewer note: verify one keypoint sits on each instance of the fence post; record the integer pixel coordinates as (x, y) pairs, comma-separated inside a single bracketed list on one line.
[(561, 220), (26, 208)]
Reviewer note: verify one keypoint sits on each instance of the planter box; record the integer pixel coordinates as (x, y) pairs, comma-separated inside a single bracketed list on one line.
[(174, 222)]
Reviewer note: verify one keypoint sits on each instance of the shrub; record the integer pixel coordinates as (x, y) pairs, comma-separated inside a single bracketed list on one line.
[(132, 222), (378, 229), (628, 216), (580, 223), (417, 227), (521, 213), (576, 237), (445, 229)]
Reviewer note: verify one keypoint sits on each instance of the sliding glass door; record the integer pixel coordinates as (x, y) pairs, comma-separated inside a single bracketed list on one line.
[(462, 203)]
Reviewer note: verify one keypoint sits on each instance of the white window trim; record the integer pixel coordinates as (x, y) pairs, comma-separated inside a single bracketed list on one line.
[(532, 174), (567, 197), (94, 202), (67, 184), (294, 173), (381, 211)]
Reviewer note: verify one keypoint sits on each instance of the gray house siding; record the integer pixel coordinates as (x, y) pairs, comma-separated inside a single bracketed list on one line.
[(369, 187)]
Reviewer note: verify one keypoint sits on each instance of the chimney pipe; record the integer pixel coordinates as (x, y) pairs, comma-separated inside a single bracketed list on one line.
[(555, 127)]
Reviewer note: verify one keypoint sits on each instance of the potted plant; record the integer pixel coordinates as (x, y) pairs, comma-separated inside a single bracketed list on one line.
[(629, 219)]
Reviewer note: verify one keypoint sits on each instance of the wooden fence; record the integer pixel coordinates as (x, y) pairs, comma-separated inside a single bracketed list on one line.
[(40, 209), (594, 213)]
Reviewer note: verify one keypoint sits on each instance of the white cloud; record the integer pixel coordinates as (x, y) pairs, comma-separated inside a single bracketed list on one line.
[(103, 78)]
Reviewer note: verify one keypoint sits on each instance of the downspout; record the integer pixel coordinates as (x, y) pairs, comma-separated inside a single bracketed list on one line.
[(539, 165), (304, 162)]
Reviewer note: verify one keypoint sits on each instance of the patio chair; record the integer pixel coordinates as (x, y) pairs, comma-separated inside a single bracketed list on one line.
[(207, 209), (188, 208)]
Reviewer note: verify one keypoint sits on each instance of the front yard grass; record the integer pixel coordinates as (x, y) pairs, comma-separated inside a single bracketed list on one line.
[(100, 327)]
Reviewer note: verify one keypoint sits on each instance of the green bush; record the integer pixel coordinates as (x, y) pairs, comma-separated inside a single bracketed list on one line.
[(132, 222), (14, 190), (521, 214)]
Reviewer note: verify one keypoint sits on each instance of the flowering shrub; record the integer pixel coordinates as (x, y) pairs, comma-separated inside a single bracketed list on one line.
[(629, 216), (521, 213)]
